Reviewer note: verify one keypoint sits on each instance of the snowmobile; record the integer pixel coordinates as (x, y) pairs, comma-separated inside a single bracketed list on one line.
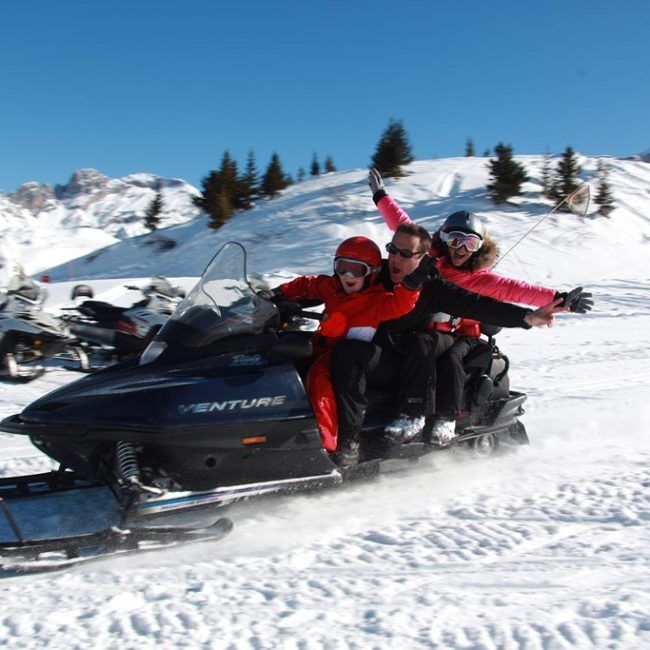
[(214, 411), (28, 334), (114, 332)]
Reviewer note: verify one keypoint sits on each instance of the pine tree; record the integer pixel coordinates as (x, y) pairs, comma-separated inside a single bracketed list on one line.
[(567, 174), (469, 148), (248, 184), (209, 191), (604, 197), (507, 174), (548, 190), (301, 175), (329, 165), (486, 153), (152, 214), (393, 150), (315, 166), (274, 179), (221, 192)]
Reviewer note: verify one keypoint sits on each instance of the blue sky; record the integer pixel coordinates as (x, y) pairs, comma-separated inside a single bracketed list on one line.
[(166, 86)]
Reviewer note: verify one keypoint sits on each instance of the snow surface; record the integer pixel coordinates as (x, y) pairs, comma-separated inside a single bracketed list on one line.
[(546, 548)]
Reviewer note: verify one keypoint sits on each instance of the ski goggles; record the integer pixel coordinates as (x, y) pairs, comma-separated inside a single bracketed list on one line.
[(353, 268), (402, 252), (458, 239)]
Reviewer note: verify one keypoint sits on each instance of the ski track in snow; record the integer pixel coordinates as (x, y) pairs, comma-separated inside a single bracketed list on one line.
[(545, 548)]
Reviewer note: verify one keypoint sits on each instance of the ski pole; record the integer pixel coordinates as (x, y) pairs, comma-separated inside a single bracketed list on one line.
[(578, 202)]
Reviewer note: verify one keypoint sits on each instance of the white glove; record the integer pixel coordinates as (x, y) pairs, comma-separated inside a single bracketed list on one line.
[(375, 182)]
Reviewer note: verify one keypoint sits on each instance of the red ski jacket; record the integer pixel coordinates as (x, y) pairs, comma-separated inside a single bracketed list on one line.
[(355, 315)]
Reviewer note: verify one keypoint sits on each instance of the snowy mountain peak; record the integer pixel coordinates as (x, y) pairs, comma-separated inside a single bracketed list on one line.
[(83, 181), (34, 197), (89, 212)]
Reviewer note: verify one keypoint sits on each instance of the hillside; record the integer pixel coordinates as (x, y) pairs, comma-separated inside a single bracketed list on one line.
[(313, 216)]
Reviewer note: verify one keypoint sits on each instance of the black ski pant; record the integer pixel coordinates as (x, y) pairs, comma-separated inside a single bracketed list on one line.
[(409, 369), (451, 376)]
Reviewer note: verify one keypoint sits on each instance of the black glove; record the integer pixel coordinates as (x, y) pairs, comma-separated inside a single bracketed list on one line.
[(375, 182), (288, 310), (269, 294), (576, 300), (417, 278)]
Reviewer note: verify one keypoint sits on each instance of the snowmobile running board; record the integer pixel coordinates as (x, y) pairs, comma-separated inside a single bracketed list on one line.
[(147, 504), (23, 555)]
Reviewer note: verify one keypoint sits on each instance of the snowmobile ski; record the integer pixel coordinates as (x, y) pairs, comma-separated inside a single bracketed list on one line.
[(54, 554)]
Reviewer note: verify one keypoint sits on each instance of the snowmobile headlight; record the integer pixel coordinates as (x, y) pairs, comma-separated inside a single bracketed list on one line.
[(152, 352)]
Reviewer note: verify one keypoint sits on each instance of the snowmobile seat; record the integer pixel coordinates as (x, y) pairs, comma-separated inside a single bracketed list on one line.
[(101, 311), (81, 291), (486, 369), (159, 284), (27, 291), (490, 330)]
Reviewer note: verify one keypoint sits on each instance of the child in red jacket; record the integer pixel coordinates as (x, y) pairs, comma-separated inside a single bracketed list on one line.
[(354, 307)]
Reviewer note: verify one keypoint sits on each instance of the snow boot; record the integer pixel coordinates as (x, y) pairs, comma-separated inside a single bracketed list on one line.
[(405, 428), (443, 431)]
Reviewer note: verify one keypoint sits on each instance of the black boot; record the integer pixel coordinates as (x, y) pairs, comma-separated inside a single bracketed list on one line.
[(347, 451)]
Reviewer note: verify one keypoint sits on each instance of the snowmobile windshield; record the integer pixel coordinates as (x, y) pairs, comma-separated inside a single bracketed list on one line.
[(221, 306)]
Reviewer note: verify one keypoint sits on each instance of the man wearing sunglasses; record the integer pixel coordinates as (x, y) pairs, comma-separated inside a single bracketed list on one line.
[(402, 353), (464, 254)]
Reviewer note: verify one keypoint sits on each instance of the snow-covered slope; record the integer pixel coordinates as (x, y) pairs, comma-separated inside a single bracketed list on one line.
[(547, 548), (308, 220), (91, 211)]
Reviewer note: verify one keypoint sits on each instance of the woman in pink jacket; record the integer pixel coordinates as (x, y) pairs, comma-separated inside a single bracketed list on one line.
[(464, 254)]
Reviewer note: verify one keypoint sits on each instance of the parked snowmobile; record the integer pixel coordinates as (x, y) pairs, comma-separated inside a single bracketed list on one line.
[(121, 332), (214, 411), (28, 334)]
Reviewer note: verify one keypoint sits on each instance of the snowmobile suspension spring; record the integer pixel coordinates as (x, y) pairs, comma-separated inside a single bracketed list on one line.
[(127, 462)]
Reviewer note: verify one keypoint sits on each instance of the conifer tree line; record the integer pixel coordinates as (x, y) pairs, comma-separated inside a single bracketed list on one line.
[(226, 191), (507, 176)]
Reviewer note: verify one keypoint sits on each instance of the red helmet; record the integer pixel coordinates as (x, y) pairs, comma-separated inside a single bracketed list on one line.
[(362, 249)]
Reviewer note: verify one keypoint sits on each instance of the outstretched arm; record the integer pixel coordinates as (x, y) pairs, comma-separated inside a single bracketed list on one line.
[(308, 287), (392, 214), (544, 315)]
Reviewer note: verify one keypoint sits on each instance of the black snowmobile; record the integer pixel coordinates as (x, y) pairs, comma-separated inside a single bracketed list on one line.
[(28, 334), (116, 333), (214, 411)]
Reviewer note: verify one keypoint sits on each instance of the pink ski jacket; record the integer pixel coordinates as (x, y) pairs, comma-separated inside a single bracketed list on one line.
[(478, 279)]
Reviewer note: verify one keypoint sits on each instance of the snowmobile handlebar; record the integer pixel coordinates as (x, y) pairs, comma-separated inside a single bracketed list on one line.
[(290, 311), (304, 313)]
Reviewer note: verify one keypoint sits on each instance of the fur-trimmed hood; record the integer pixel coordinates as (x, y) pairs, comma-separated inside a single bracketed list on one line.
[(484, 258)]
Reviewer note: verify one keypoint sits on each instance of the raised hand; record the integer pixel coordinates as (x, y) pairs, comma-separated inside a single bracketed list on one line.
[(375, 182)]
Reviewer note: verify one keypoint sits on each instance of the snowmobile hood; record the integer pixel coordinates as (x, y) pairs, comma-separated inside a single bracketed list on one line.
[(230, 388)]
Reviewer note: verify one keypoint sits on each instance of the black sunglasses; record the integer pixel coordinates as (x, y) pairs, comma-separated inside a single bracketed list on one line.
[(402, 252)]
